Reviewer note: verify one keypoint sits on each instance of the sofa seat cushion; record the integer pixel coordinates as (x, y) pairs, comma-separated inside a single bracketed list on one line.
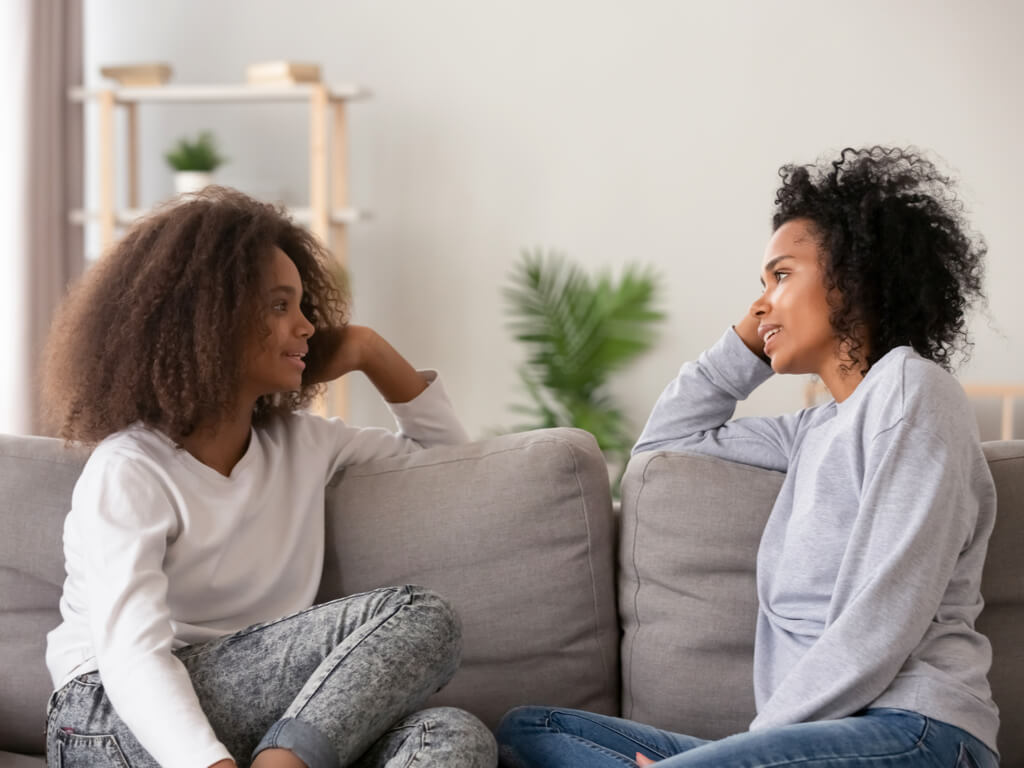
[(517, 533)]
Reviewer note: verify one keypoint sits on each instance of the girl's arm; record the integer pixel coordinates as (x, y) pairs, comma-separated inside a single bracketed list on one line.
[(417, 399), (694, 411), (118, 528), (359, 348)]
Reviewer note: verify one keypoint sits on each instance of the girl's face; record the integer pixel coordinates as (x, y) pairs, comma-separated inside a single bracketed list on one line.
[(793, 311), (273, 361)]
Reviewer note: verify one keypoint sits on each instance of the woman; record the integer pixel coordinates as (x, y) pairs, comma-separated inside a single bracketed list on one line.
[(198, 520), (869, 567)]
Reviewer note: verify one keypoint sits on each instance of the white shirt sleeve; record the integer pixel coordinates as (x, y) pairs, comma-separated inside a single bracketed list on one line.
[(425, 421), (124, 519)]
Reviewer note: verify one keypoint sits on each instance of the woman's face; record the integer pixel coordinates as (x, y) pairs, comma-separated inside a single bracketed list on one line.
[(273, 360), (793, 311)]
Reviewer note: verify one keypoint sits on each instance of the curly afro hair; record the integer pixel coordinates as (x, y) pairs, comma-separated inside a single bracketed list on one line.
[(155, 331), (901, 264)]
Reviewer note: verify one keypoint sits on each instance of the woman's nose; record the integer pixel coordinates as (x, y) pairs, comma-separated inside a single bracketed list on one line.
[(760, 306)]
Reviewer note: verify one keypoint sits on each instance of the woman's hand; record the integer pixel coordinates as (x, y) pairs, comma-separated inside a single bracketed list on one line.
[(360, 348), (746, 329)]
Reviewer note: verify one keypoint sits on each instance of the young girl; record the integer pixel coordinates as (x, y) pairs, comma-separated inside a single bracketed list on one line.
[(198, 521), (869, 567)]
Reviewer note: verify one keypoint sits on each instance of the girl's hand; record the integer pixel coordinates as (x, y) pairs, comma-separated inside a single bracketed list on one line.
[(351, 351), (360, 348)]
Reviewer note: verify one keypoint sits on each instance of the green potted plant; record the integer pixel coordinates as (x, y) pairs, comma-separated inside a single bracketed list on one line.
[(194, 162), (578, 330)]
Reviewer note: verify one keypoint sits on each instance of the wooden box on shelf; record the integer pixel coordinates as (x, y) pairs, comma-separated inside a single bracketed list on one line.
[(282, 73), (138, 75)]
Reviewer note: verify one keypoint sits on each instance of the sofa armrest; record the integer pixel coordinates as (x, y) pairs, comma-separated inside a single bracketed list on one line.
[(517, 533)]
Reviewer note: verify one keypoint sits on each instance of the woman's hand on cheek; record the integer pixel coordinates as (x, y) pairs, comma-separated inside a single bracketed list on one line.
[(746, 329)]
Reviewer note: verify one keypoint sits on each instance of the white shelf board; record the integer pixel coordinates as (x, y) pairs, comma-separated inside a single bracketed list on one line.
[(219, 93), (125, 216)]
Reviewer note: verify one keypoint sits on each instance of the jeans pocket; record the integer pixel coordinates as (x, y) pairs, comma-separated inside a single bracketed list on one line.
[(79, 750), (966, 759)]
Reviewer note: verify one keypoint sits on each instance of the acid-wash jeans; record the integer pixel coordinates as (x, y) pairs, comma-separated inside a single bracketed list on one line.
[(338, 684), (541, 737)]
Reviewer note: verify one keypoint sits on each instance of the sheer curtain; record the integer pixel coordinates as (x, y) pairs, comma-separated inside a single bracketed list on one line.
[(42, 150)]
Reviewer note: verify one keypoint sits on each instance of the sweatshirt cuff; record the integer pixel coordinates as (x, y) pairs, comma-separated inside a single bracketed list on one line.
[(430, 416), (744, 370)]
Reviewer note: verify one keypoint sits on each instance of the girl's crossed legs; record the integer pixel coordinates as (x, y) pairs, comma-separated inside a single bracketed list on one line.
[(332, 683), (540, 737)]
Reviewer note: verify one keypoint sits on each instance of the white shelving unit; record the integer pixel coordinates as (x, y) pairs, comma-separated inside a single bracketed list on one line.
[(328, 213)]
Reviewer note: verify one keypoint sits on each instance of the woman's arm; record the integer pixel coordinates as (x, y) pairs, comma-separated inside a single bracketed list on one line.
[(694, 411), (911, 570)]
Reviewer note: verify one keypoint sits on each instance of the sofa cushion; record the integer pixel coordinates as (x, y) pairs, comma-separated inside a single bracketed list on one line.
[(517, 532), (36, 478), (690, 530), (1002, 586)]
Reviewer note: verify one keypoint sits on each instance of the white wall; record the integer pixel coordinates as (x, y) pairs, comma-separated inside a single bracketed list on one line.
[(642, 131)]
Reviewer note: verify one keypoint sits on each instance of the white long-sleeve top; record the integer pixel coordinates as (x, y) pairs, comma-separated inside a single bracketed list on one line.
[(162, 551), (869, 568)]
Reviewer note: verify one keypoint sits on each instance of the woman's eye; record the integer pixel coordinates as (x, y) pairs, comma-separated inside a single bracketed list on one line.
[(279, 306), (780, 276)]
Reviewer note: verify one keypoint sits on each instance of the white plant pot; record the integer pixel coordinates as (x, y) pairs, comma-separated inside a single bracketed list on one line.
[(190, 182)]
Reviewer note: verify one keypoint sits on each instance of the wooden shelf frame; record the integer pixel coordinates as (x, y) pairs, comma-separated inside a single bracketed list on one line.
[(1007, 394), (328, 213)]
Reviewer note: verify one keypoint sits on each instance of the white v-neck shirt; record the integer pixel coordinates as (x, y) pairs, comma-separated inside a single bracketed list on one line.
[(162, 551)]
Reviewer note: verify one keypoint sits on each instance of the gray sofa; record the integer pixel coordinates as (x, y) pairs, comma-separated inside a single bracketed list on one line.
[(649, 614)]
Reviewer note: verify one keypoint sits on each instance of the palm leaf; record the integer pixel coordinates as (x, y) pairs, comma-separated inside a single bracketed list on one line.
[(577, 331)]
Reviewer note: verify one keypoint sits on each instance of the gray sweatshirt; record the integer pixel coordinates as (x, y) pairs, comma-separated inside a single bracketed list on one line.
[(869, 567)]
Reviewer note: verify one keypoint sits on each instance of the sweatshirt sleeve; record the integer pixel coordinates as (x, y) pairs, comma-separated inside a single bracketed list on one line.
[(428, 420), (124, 520), (693, 412), (916, 517)]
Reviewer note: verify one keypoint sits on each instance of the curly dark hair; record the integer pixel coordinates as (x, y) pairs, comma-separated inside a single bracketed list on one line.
[(155, 331), (901, 264)]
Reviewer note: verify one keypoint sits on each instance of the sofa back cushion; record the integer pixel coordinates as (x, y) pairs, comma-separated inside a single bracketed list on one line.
[(1002, 586), (690, 529), (36, 478), (517, 532)]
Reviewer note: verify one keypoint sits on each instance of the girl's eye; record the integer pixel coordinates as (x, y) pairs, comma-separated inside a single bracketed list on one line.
[(279, 306), (779, 276)]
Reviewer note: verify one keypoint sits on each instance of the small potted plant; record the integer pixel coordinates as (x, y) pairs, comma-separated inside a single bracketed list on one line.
[(194, 162)]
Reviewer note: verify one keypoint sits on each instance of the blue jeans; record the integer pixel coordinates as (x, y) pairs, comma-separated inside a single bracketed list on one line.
[(539, 737), (338, 684)]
